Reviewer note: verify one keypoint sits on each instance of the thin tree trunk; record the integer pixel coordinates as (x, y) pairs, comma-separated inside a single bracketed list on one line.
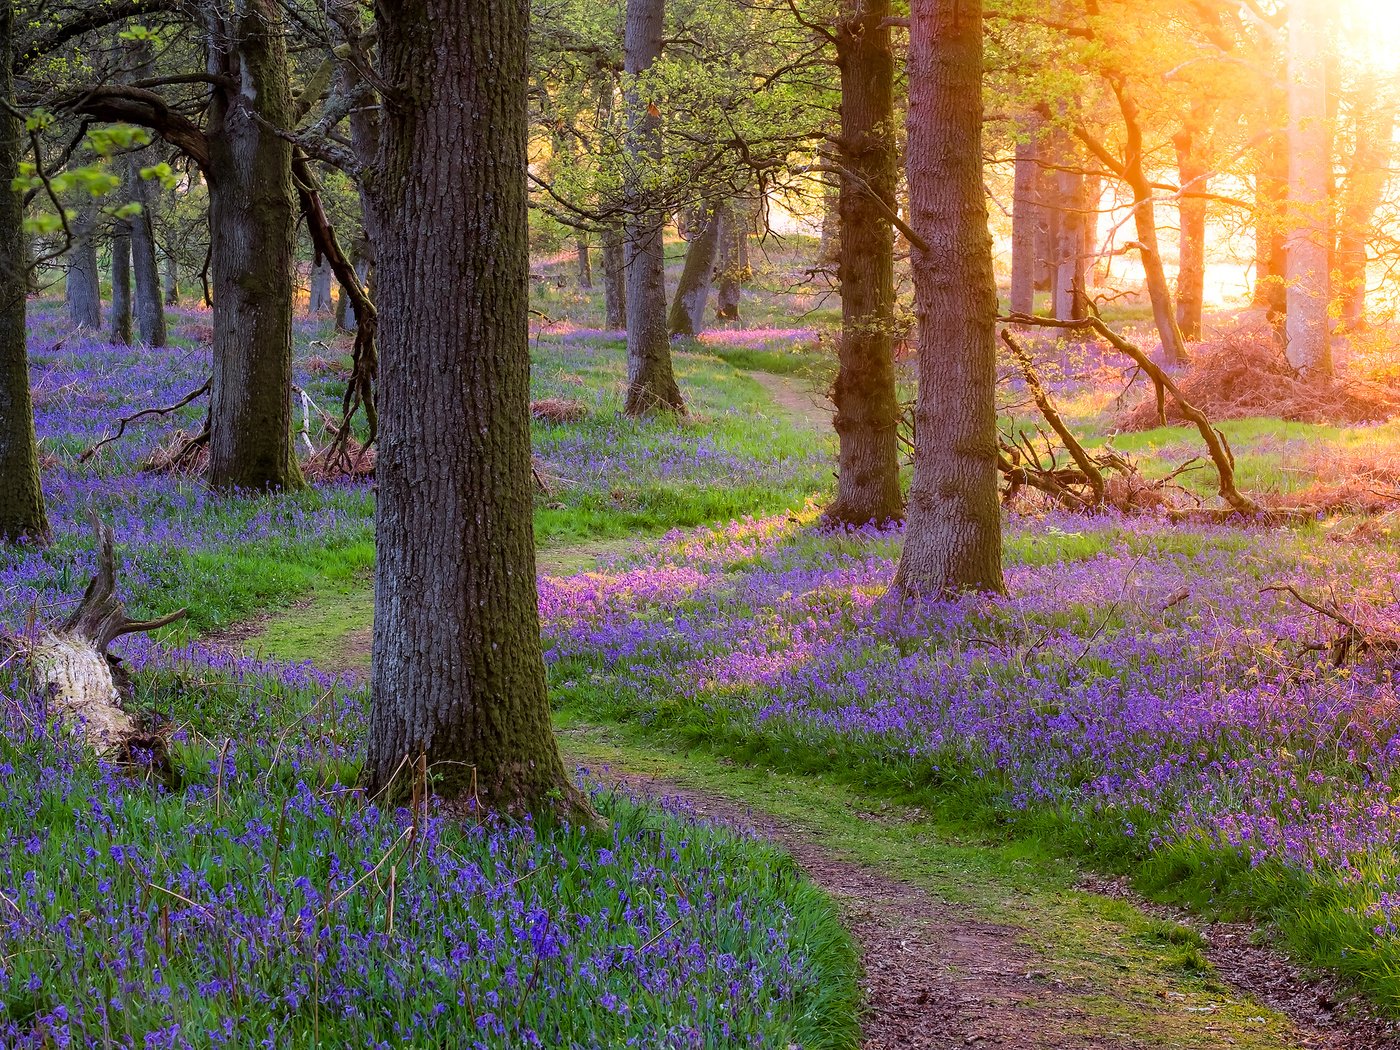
[(1270, 205), (614, 281), (1026, 218), (1308, 329), (83, 289), (829, 247), (145, 269), (1191, 269), (119, 330), (21, 499), (319, 302), (953, 542), (651, 381), (1362, 193), (731, 276), (172, 280), (697, 276), (252, 222), (585, 262), (867, 407), (458, 677), (1070, 251)]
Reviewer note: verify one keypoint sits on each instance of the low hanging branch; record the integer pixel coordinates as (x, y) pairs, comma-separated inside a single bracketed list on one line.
[(126, 421), (84, 683), (1085, 462), (1215, 442), (1355, 637), (359, 389)]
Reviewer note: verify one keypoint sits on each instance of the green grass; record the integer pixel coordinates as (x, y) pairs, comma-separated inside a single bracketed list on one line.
[(1124, 970)]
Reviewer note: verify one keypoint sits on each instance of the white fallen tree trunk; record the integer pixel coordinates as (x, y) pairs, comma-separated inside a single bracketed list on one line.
[(85, 684)]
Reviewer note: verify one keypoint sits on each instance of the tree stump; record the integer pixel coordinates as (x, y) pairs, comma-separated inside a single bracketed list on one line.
[(85, 684)]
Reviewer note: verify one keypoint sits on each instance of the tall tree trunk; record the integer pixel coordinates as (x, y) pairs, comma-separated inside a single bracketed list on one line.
[(614, 281), (145, 269), (1191, 269), (1270, 242), (585, 262), (172, 279), (21, 499), (651, 381), (1070, 250), (458, 675), (120, 321), (1367, 173), (953, 541), (252, 223), (319, 302), (731, 275), (1026, 217), (1309, 329), (83, 289), (697, 276), (867, 407)]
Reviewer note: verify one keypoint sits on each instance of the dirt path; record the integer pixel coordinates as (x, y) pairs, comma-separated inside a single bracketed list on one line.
[(938, 977), (795, 398)]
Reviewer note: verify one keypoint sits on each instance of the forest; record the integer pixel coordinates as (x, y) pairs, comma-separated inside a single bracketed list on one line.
[(817, 524)]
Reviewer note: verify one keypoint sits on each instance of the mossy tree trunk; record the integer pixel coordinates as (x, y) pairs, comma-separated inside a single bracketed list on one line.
[(252, 216), (867, 407), (954, 535), (83, 290), (119, 322), (145, 267), (651, 380), (458, 677), (697, 276), (21, 499)]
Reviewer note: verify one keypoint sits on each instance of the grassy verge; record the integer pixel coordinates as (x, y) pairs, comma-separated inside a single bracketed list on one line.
[(1133, 975)]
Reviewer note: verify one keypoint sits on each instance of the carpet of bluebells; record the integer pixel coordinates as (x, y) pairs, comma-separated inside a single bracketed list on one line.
[(263, 901), (256, 898), (1139, 693)]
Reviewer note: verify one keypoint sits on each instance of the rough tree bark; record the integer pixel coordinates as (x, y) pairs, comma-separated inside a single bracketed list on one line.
[(1191, 269), (1026, 218), (1071, 244), (458, 677), (953, 541), (867, 407), (1308, 329), (145, 268), (83, 290), (687, 316), (21, 499), (252, 223), (614, 280), (651, 380)]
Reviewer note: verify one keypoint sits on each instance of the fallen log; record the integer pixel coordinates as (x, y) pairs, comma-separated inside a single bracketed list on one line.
[(84, 684)]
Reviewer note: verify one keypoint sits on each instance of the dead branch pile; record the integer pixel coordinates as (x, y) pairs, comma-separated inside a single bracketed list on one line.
[(1244, 373), (1080, 483), (558, 410), (340, 462), (187, 452)]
